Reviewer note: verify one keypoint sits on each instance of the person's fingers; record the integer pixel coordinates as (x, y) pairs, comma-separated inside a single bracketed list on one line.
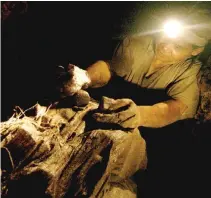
[(75, 79), (117, 118), (72, 85), (121, 105), (106, 118), (71, 88), (70, 67), (113, 105), (105, 103)]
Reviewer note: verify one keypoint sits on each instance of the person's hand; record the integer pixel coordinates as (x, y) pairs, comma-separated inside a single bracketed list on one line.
[(123, 112), (77, 79)]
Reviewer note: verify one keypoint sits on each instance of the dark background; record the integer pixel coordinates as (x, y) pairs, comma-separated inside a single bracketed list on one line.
[(48, 34), (39, 36)]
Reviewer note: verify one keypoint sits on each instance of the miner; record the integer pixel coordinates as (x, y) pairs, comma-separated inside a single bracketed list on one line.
[(165, 60)]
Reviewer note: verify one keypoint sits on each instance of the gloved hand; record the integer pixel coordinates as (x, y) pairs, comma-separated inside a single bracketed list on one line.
[(123, 112), (77, 79)]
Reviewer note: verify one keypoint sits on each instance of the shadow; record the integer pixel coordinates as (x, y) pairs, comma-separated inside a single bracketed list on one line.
[(92, 177), (118, 88), (33, 185)]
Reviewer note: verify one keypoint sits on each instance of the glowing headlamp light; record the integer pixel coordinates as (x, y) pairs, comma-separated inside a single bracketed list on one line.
[(173, 28)]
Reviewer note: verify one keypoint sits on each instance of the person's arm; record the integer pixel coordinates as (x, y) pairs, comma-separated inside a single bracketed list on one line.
[(183, 105), (96, 75), (161, 114), (99, 74), (128, 115)]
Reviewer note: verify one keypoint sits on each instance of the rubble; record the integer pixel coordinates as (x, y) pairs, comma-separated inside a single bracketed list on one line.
[(62, 153)]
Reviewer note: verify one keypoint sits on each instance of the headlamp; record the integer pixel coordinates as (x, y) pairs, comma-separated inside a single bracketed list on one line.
[(173, 28)]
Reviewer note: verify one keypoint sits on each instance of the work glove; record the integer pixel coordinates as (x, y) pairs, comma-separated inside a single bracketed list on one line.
[(74, 80), (123, 112)]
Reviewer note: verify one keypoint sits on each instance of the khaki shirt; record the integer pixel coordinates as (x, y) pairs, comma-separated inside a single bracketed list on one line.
[(132, 60)]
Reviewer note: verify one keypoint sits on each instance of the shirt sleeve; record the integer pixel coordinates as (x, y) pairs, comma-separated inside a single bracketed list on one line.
[(128, 53), (185, 89), (123, 58)]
